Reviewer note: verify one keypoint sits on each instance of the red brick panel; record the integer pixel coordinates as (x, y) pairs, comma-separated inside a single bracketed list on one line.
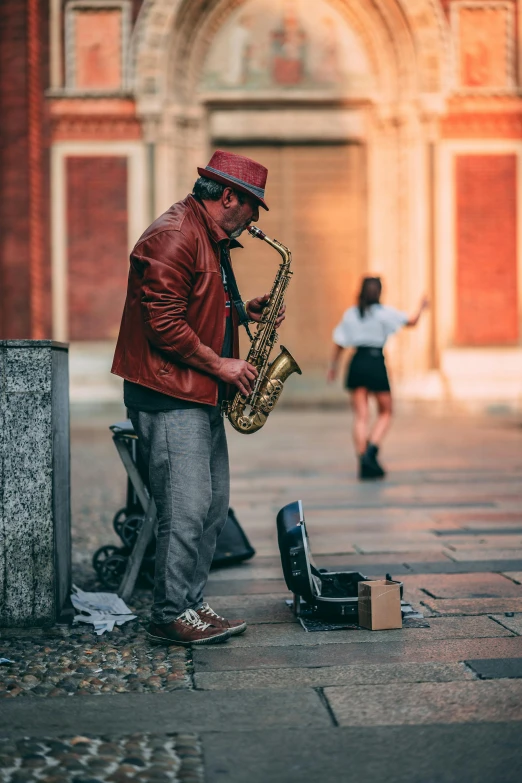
[(486, 250), (97, 252), (15, 312)]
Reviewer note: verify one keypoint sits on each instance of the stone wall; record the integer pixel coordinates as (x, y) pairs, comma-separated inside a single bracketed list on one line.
[(35, 544)]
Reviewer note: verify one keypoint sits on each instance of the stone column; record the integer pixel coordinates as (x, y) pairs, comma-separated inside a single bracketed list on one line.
[(35, 538)]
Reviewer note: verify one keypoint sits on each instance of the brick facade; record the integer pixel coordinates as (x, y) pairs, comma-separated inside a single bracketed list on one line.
[(345, 204), (97, 250), (15, 315), (99, 119), (486, 221)]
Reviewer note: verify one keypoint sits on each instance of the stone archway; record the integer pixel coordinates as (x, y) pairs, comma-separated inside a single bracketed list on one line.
[(422, 21), (407, 46)]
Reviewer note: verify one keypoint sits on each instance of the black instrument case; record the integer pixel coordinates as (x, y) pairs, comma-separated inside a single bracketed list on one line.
[(328, 594)]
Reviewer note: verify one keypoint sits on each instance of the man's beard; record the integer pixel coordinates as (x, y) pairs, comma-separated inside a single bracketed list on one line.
[(237, 232)]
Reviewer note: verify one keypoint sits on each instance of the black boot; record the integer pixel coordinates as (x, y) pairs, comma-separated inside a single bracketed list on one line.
[(369, 467)]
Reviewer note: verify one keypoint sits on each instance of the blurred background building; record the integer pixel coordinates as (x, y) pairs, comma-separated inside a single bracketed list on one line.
[(392, 130)]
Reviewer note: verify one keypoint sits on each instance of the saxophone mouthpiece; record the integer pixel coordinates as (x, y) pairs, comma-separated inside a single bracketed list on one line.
[(256, 232)]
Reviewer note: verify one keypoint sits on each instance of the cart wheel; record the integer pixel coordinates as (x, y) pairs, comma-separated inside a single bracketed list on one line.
[(119, 519), (130, 528), (101, 555), (112, 571)]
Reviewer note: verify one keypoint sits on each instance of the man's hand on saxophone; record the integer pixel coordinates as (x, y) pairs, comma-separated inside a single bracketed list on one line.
[(256, 306), (238, 373)]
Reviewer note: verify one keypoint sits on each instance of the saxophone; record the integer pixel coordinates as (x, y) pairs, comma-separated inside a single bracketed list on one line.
[(272, 375)]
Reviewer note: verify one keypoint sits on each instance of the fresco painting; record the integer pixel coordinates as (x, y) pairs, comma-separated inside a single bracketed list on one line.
[(284, 44), (483, 41), (98, 49)]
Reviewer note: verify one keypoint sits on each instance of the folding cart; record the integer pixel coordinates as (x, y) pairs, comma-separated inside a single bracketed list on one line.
[(118, 568)]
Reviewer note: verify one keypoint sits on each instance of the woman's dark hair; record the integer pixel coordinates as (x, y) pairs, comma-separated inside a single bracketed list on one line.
[(370, 293)]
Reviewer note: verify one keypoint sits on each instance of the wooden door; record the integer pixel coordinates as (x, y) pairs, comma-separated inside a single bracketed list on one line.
[(317, 200)]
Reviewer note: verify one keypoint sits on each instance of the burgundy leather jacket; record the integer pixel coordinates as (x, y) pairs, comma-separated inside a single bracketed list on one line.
[(175, 301)]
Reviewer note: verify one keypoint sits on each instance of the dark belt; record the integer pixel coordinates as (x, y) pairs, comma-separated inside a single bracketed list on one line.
[(369, 350)]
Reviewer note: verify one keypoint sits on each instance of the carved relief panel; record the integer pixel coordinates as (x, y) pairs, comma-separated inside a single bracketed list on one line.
[(96, 36), (484, 46)]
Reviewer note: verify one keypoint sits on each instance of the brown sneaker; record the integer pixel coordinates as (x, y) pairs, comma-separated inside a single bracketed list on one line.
[(187, 629), (208, 615)]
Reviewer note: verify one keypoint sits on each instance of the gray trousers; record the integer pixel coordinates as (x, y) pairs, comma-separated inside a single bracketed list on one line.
[(186, 454)]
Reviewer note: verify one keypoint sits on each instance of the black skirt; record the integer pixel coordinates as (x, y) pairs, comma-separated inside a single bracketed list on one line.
[(368, 370)]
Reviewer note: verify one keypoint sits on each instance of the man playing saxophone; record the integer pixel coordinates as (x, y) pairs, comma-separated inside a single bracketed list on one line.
[(177, 352)]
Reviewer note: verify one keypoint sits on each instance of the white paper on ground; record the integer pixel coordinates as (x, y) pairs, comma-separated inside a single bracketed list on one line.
[(103, 610)]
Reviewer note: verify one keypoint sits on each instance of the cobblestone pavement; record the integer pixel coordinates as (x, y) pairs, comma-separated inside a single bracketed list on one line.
[(435, 704), (89, 759), (71, 662)]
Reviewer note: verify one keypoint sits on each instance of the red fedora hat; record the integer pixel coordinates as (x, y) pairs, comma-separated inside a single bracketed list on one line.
[(237, 172)]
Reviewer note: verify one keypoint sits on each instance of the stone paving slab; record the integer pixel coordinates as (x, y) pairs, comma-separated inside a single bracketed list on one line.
[(462, 555), (516, 576), (266, 601), (344, 543), (401, 563), (136, 757), (478, 519), (246, 587), (246, 572), (439, 651), (294, 635), (426, 703), (464, 567), (373, 570), (270, 612), (480, 542), (334, 675), (477, 585), (362, 560), (484, 531), (367, 527), (497, 668), (237, 580), (385, 547), (183, 711), (511, 621), (460, 753), (451, 606), (453, 467), (407, 503), (471, 476)]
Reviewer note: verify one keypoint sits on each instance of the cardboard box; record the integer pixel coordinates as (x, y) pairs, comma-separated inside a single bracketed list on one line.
[(380, 605)]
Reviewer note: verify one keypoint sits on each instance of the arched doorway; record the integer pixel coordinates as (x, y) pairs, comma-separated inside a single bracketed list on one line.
[(265, 58), (337, 98)]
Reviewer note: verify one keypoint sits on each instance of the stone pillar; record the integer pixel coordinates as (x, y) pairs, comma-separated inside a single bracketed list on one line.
[(35, 537)]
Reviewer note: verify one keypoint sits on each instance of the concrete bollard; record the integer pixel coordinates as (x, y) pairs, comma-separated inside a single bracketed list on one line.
[(35, 514)]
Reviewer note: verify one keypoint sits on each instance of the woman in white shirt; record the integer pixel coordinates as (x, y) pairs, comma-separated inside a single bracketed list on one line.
[(366, 328)]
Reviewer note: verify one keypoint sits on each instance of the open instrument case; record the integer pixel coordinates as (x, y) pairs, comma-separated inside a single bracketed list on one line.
[(327, 594)]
